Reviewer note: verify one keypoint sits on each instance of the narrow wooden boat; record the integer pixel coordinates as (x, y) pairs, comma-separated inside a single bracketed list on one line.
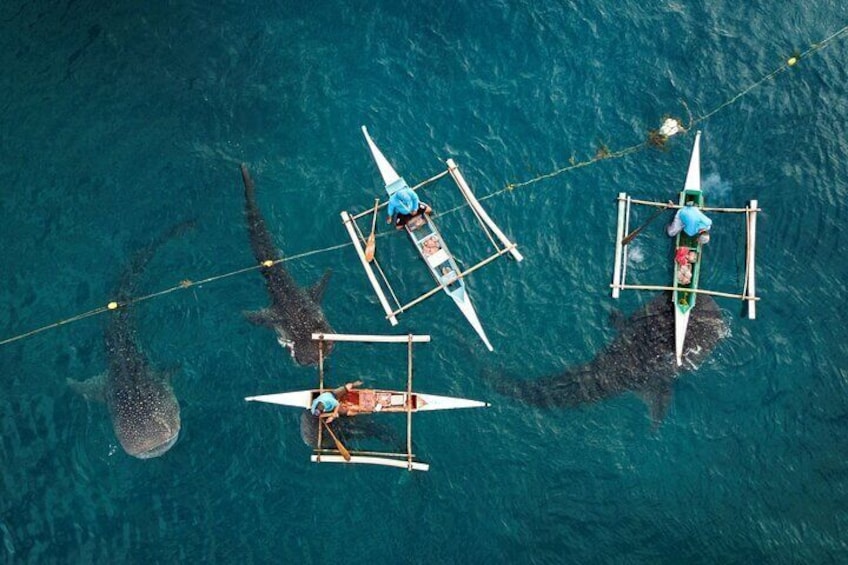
[(360, 401), (431, 246), (369, 401), (683, 295)]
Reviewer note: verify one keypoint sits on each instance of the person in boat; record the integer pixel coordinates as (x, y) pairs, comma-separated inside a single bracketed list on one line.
[(328, 404), (691, 221), (405, 205)]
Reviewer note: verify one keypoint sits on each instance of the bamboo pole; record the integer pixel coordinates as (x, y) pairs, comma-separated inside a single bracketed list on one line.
[(378, 453), (692, 290), (619, 233), (702, 208), (409, 402), (482, 214), (321, 388), (372, 338), (464, 274), (752, 242), (381, 296)]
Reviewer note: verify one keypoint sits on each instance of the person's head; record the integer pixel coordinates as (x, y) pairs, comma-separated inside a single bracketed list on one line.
[(704, 238), (319, 408)]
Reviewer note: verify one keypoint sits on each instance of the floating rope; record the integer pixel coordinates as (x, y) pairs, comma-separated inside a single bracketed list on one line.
[(655, 138), (603, 154), (183, 285)]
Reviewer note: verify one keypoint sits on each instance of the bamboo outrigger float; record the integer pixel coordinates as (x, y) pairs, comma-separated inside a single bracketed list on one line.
[(359, 401), (684, 295), (430, 244)]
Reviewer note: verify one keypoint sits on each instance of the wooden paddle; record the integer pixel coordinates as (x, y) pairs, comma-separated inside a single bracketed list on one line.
[(342, 449), (653, 217), (371, 244)]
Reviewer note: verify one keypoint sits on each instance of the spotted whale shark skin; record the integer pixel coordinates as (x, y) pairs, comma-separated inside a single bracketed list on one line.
[(294, 313), (144, 410), (640, 360)]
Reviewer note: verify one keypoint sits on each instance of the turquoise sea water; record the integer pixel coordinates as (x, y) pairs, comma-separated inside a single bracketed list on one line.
[(118, 121)]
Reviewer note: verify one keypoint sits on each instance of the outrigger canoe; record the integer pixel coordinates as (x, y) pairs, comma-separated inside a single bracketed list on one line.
[(360, 401), (369, 401), (431, 246), (682, 295)]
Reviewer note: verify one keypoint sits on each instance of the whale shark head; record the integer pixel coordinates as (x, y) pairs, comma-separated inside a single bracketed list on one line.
[(144, 409)]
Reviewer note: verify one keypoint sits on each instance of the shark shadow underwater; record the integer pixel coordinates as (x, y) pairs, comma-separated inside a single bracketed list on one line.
[(640, 359), (294, 314), (145, 412), (349, 431)]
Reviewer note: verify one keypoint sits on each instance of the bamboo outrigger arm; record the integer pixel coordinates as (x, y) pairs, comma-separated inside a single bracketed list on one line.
[(480, 211), (620, 258), (368, 460), (381, 296), (438, 288), (750, 286), (373, 338), (747, 297), (752, 208)]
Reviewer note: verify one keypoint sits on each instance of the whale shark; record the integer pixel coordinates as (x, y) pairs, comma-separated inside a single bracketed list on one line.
[(144, 410), (640, 359), (295, 313)]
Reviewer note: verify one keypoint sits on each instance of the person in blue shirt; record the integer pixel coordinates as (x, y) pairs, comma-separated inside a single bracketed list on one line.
[(693, 222), (327, 404), (405, 205)]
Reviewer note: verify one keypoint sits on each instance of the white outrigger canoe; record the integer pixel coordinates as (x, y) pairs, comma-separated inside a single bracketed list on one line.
[(684, 295), (431, 245), (359, 401)]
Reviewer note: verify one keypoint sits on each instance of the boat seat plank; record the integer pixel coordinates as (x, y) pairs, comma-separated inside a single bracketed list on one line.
[(437, 258)]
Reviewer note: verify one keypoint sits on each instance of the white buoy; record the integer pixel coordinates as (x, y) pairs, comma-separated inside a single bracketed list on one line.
[(670, 127)]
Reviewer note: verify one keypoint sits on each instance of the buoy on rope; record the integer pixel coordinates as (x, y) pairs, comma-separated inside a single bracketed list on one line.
[(792, 60), (112, 306), (671, 126), (267, 263)]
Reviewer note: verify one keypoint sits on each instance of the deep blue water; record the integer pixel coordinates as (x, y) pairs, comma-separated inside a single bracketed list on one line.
[(118, 120)]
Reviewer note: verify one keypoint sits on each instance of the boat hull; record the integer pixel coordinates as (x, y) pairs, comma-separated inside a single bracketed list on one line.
[(370, 401), (682, 299)]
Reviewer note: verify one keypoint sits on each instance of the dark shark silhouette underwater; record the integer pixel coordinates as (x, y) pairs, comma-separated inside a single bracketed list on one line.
[(141, 402), (640, 359), (294, 314)]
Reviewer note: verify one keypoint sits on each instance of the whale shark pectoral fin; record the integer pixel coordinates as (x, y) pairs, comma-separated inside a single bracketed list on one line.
[(658, 400), (92, 389), (261, 318), (316, 291)]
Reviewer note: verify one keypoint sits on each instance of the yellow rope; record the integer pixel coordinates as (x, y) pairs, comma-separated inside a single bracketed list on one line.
[(790, 62), (185, 284), (601, 156)]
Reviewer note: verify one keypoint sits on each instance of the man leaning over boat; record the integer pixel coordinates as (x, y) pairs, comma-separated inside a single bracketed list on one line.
[(327, 404), (692, 221), (405, 205)]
